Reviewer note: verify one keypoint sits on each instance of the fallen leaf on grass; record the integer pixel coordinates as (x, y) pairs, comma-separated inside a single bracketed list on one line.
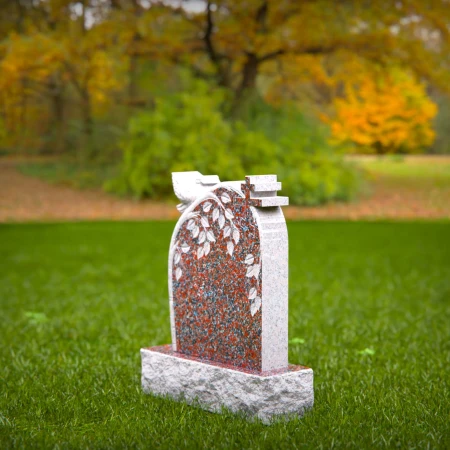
[(296, 341), (367, 351), (36, 318)]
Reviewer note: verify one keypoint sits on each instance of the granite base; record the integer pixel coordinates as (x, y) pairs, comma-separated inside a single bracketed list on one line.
[(216, 386)]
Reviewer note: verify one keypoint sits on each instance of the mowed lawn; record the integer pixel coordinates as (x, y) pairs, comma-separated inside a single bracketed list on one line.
[(370, 300), (425, 177)]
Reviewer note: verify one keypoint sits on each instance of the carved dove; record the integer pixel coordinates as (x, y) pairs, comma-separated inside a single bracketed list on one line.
[(188, 186)]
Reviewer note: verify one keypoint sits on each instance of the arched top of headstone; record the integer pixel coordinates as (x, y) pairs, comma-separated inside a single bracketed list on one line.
[(228, 271)]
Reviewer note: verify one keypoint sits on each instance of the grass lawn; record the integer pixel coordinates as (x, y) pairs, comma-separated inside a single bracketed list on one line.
[(370, 300), (434, 170)]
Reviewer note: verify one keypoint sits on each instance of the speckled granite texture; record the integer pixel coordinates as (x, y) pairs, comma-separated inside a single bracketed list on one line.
[(213, 387), (228, 279)]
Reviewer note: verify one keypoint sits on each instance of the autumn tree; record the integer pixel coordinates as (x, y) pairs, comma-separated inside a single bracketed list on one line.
[(55, 56), (386, 112), (26, 70), (235, 42)]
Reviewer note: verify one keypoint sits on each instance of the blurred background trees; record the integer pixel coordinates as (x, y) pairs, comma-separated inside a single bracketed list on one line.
[(228, 87)]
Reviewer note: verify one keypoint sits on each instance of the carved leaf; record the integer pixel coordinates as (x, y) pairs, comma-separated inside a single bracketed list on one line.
[(225, 197), (206, 248), (210, 236), (252, 293), (195, 231), (226, 231), (228, 214), (215, 214), (204, 221), (178, 273), (202, 237), (236, 235), (249, 259), (255, 305), (230, 247), (190, 225), (185, 248), (177, 258), (200, 252), (253, 271), (207, 206), (256, 268), (221, 221)]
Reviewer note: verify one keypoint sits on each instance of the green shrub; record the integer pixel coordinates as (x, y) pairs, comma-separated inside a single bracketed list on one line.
[(312, 171), (187, 131)]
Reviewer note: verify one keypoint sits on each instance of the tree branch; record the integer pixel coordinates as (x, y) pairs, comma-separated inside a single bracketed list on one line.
[(208, 36), (271, 55), (216, 58), (261, 15)]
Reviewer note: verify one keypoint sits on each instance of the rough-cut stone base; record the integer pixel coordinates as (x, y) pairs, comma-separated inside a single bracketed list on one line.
[(214, 386)]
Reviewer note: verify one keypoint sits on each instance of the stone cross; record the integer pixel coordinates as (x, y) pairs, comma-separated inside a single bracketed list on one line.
[(228, 289)]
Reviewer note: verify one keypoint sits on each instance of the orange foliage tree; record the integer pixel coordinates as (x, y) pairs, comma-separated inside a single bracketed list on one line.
[(386, 113)]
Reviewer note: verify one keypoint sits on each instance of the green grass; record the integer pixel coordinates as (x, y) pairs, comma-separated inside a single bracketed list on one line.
[(369, 312), (416, 169)]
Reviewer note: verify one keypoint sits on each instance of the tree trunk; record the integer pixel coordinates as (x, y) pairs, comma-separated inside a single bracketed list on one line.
[(247, 86), (87, 149), (132, 80), (58, 116)]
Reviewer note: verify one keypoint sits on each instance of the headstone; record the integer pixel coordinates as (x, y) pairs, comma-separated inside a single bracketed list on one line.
[(228, 289)]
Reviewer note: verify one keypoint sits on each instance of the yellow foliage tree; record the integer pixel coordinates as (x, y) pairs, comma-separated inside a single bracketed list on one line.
[(386, 113), (28, 63), (45, 67)]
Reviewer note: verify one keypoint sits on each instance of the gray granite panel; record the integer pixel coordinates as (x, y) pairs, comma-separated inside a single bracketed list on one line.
[(213, 387)]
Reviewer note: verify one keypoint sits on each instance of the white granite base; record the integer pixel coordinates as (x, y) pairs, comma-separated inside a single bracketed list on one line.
[(213, 387)]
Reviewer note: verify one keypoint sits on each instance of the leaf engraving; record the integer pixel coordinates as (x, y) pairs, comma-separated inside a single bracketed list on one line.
[(253, 271), (230, 248), (226, 231), (255, 305), (178, 273), (195, 231), (207, 206), (177, 258), (228, 213), (206, 248), (236, 235), (210, 236), (252, 293), (185, 248), (221, 221), (204, 221), (225, 197), (215, 214), (202, 237), (191, 224), (200, 252), (249, 259)]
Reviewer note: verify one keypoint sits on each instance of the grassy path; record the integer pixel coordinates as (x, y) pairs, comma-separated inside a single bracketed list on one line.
[(370, 300), (417, 187)]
